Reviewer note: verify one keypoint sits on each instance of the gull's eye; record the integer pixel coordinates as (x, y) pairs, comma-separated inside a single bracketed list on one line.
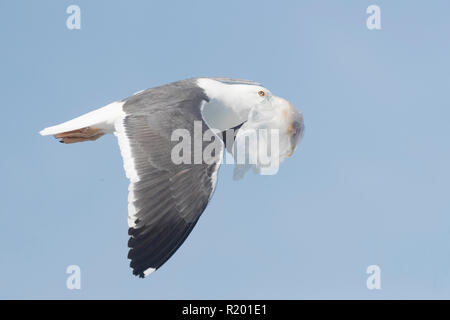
[(261, 93)]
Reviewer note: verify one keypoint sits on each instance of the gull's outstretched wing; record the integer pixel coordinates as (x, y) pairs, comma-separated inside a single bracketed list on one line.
[(165, 199)]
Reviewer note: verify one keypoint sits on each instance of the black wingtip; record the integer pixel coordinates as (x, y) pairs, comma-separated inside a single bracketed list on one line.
[(138, 274)]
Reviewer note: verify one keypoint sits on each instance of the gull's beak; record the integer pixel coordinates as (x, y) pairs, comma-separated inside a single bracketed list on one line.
[(296, 132), (296, 126)]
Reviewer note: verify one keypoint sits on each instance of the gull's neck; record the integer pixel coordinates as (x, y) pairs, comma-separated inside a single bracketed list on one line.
[(227, 106)]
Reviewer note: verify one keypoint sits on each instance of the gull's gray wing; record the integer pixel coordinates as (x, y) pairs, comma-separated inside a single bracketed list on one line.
[(165, 199)]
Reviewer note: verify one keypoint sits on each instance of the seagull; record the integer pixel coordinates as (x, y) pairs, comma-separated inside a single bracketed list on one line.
[(166, 199)]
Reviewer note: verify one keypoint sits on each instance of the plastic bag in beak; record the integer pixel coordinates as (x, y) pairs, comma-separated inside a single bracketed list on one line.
[(270, 135)]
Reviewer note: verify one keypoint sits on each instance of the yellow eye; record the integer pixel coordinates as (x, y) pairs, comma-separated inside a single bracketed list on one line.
[(261, 93)]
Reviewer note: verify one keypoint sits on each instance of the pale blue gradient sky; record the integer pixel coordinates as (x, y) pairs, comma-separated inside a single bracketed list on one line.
[(368, 185)]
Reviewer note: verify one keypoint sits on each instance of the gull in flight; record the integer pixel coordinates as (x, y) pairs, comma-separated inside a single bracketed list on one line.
[(166, 198)]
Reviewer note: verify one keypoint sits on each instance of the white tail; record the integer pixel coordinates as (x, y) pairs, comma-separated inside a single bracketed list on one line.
[(102, 119), (88, 127)]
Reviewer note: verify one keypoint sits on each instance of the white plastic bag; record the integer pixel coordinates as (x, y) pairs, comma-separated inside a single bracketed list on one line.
[(269, 136)]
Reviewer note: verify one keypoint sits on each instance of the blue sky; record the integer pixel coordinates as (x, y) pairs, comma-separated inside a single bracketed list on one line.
[(368, 185)]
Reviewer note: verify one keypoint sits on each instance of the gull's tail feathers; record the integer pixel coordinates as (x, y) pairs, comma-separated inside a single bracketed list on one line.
[(88, 127)]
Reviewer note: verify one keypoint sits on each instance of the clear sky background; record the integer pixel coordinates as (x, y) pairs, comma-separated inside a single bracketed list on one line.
[(369, 184)]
